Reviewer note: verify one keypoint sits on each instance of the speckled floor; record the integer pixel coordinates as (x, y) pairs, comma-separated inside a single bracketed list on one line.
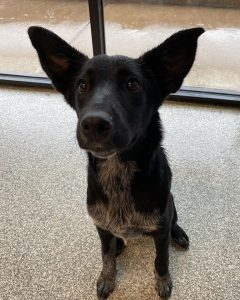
[(49, 248)]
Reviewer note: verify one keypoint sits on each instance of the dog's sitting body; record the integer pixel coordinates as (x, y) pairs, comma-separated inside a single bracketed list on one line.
[(129, 180)]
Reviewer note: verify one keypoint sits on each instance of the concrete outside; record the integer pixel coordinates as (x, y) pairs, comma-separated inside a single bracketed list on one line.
[(131, 29), (206, 3)]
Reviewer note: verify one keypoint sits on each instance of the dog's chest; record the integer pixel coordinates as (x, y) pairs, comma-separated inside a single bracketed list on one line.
[(119, 215)]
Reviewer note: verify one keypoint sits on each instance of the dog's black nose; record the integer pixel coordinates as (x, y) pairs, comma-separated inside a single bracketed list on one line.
[(96, 126)]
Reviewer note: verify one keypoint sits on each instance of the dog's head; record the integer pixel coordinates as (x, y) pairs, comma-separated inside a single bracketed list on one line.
[(115, 97)]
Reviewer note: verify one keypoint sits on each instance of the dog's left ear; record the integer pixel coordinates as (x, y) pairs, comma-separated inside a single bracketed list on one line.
[(171, 61)]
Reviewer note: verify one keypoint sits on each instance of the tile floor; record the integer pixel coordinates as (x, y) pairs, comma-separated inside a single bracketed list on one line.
[(49, 248)]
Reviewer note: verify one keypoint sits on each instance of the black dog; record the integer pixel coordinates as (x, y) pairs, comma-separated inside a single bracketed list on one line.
[(129, 180)]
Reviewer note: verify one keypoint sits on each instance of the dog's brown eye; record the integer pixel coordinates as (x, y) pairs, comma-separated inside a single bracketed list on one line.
[(133, 85), (82, 86)]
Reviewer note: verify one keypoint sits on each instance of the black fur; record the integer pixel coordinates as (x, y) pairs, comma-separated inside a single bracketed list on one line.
[(116, 100)]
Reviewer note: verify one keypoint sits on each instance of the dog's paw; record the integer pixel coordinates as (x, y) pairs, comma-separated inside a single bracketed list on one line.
[(105, 287), (120, 246), (163, 286), (179, 237)]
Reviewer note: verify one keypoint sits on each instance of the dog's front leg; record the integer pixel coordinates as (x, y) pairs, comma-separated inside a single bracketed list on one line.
[(162, 276), (106, 280)]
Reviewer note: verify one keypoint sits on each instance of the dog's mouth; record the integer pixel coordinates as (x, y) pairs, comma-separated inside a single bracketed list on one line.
[(103, 154), (102, 151), (107, 152), (107, 149)]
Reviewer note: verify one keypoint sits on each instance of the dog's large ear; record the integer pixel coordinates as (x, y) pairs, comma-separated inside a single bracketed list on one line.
[(171, 61), (59, 60)]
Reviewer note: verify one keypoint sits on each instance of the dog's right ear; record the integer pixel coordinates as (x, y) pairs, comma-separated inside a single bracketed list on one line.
[(59, 60)]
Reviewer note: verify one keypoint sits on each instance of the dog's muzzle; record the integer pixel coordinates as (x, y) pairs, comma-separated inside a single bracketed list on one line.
[(94, 133)]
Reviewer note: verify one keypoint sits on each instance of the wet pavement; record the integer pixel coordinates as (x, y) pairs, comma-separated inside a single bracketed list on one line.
[(131, 28)]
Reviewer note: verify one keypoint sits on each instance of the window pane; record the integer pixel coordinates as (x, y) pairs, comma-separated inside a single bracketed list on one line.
[(67, 18), (133, 27)]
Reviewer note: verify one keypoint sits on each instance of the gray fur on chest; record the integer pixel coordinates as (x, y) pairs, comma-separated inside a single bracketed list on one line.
[(119, 215)]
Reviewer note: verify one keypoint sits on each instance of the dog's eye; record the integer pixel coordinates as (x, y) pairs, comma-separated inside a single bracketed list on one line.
[(133, 85), (82, 87)]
